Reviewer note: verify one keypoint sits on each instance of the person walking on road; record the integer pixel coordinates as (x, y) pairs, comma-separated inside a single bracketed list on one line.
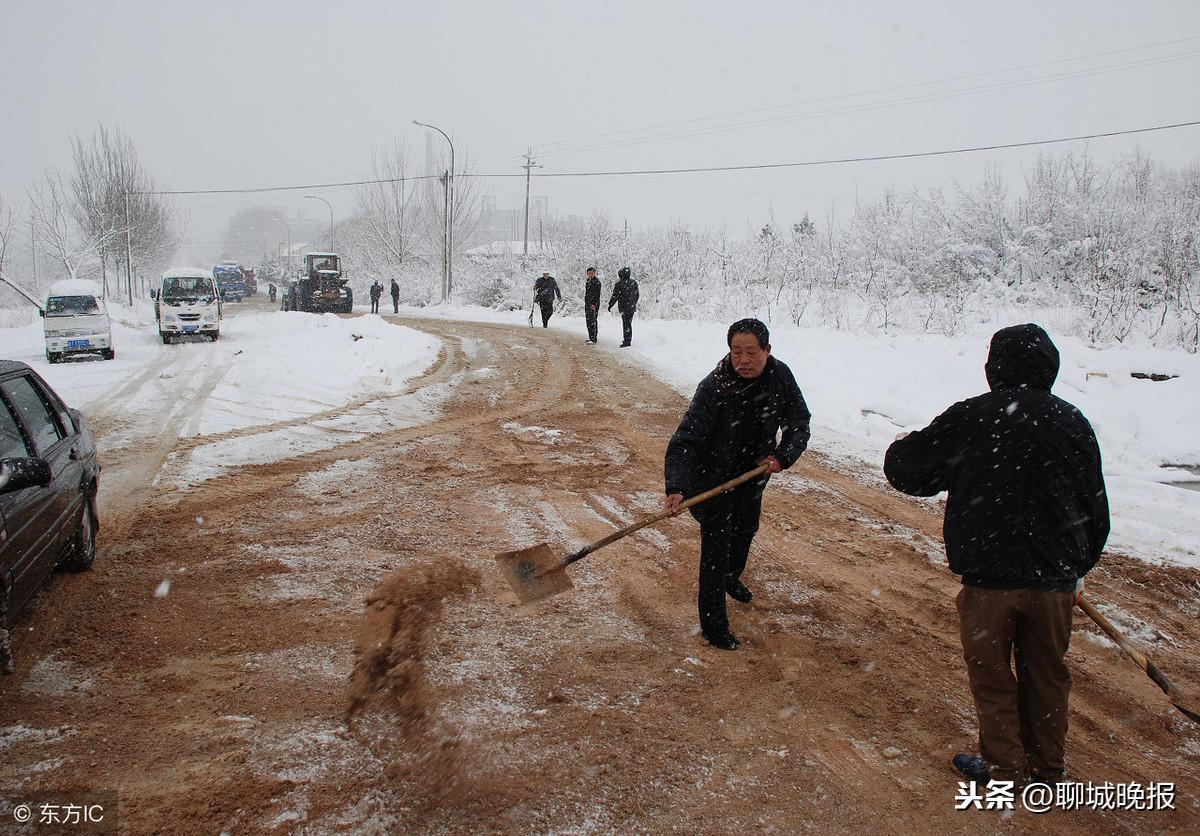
[(376, 292), (591, 304), (545, 290), (625, 297), (731, 428), (1026, 518), (395, 297)]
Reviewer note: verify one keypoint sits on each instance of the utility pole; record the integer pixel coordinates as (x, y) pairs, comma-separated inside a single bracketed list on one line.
[(37, 282), (128, 252), (529, 164), (448, 275)]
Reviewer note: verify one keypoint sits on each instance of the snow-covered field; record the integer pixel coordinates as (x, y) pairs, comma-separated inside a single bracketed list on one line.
[(274, 367)]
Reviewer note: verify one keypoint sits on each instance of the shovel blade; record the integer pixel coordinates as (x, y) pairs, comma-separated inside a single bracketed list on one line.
[(534, 573)]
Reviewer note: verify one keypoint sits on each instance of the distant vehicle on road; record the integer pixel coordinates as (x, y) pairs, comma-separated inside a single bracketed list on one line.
[(321, 287), (231, 283), (49, 477), (187, 302), (75, 321)]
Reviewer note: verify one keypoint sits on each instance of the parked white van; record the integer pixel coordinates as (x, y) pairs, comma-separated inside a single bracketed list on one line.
[(76, 321), (187, 302)]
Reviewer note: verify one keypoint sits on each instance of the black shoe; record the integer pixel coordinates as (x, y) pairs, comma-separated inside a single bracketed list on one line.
[(738, 591), (624, 345), (724, 640), (973, 767)]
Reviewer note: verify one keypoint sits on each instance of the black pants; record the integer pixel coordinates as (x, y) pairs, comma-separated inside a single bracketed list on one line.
[(395, 304), (728, 524), (627, 327), (547, 306), (374, 305), (590, 314)]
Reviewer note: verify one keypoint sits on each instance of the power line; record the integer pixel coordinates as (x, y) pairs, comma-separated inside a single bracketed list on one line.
[(555, 147), (697, 169), (860, 108), (843, 160)]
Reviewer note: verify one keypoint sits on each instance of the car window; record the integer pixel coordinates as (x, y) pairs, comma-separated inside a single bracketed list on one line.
[(12, 443), (39, 421)]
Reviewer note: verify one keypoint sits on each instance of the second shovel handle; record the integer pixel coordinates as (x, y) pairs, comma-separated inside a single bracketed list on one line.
[(662, 515)]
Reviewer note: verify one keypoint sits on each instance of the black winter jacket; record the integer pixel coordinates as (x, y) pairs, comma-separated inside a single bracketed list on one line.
[(546, 288), (731, 426), (591, 292), (624, 295), (1027, 506)]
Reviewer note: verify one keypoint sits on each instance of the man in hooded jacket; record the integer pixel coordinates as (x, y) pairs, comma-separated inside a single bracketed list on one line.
[(1026, 518), (625, 297), (730, 428)]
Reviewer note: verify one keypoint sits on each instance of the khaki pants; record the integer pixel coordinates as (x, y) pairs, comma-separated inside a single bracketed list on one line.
[(1022, 716)]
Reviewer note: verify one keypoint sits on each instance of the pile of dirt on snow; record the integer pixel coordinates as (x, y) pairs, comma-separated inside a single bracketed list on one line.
[(391, 703)]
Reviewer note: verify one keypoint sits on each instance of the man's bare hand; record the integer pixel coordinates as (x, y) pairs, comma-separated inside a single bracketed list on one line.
[(673, 503), (773, 465)]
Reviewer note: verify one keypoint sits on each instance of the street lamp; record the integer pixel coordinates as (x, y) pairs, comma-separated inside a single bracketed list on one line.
[(332, 240), (289, 249), (449, 232)]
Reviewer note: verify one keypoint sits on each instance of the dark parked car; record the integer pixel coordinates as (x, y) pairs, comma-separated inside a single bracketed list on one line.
[(48, 481)]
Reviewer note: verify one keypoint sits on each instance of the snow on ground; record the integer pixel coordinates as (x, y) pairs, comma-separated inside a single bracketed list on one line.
[(273, 368), (267, 368), (863, 389)]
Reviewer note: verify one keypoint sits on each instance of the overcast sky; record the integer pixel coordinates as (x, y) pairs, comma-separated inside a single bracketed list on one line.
[(247, 94)]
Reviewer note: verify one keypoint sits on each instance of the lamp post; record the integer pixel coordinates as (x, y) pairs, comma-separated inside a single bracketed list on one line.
[(332, 240), (448, 279), (289, 249)]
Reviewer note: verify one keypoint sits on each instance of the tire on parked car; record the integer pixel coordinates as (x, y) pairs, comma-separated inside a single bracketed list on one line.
[(82, 551)]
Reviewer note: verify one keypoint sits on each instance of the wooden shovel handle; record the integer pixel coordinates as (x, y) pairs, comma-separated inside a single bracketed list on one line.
[(662, 515), (1152, 671)]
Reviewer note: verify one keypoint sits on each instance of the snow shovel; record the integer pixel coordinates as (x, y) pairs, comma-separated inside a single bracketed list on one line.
[(536, 572), (1169, 688)]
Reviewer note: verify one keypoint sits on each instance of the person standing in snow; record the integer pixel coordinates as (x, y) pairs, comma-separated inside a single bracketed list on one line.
[(395, 297), (591, 304), (545, 290), (1026, 518), (625, 297), (730, 428), (376, 292)]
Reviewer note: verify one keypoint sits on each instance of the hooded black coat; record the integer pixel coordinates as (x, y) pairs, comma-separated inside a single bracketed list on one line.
[(625, 294), (732, 425), (1027, 506)]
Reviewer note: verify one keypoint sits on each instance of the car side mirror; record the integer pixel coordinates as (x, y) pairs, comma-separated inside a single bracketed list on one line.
[(16, 474), (41, 313), (153, 293)]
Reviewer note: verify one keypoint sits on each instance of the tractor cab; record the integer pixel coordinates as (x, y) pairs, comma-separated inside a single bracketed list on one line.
[(322, 265)]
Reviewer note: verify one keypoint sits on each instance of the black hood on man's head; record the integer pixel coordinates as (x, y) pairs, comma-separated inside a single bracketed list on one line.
[(1022, 355)]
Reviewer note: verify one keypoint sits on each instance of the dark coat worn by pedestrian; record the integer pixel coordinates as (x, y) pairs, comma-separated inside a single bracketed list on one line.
[(1027, 506), (546, 290), (624, 294), (376, 291), (732, 425), (591, 292)]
